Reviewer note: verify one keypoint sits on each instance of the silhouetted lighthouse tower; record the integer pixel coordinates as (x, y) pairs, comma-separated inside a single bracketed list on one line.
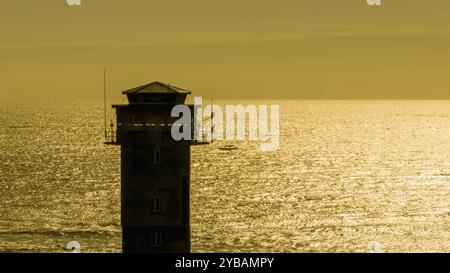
[(155, 171)]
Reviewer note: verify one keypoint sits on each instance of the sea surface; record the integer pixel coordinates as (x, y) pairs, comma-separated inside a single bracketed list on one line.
[(349, 176)]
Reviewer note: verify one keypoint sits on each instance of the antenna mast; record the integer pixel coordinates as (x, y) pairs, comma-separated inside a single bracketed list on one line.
[(212, 120), (104, 101)]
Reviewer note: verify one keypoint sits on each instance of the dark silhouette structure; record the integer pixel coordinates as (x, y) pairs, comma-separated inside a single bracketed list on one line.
[(155, 171)]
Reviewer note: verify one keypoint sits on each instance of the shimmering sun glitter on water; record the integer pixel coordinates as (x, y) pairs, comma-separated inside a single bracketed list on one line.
[(348, 175)]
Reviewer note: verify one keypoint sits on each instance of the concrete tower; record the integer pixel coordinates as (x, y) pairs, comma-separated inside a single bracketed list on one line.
[(155, 171)]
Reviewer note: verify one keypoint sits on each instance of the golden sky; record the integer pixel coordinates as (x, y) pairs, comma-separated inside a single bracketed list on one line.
[(227, 48)]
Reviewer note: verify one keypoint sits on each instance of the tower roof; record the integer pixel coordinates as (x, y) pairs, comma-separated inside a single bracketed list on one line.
[(156, 88)]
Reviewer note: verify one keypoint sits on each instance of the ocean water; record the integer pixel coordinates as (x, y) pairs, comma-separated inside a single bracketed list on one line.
[(349, 176)]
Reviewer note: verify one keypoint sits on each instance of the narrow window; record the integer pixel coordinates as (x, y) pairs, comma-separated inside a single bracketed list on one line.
[(155, 157), (155, 205), (155, 239)]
